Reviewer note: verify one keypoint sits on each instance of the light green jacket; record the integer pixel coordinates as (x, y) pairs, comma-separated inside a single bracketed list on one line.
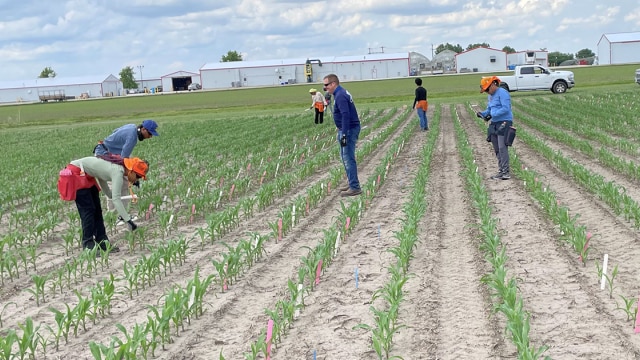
[(105, 171)]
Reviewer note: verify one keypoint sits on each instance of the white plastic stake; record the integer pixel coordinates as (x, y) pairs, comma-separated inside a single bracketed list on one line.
[(337, 247), (188, 192), (293, 215), (129, 197), (277, 168), (604, 270), (170, 220), (298, 301)]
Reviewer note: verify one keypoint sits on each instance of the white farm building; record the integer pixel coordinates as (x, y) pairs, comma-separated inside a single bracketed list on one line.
[(528, 57), (221, 75), (619, 48), (481, 59), (59, 89)]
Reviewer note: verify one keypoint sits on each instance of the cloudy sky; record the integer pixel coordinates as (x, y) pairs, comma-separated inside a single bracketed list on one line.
[(96, 37)]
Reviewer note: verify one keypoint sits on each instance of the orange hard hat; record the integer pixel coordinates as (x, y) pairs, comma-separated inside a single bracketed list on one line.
[(486, 81), (138, 166)]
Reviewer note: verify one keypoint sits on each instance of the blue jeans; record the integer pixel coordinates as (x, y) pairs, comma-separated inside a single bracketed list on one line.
[(422, 115), (348, 155)]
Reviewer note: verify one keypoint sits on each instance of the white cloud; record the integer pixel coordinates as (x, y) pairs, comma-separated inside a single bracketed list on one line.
[(87, 37)]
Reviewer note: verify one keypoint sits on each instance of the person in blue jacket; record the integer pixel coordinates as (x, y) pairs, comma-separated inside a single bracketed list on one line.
[(121, 143), (345, 117), (499, 113)]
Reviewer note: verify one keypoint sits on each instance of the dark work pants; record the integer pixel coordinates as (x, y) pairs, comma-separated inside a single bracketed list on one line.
[(319, 116), (88, 204)]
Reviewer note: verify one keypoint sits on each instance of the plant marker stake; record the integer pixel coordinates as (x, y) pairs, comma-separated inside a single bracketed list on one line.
[(328, 187), (170, 220), (307, 209), (604, 270), (293, 215), (149, 211), (221, 182), (233, 187), (188, 192), (318, 272), (193, 212), (314, 354), (378, 180), (279, 229), (219, 198), (337, 247), (637, 327), (263, 175), (269, 337), (276, 174), (224, 282), (356, 276), (298, 301), (378, 232), (248, 167)]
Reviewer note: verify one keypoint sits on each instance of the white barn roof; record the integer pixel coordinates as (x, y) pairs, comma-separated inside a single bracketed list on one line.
[(55, 81), (622, 37)]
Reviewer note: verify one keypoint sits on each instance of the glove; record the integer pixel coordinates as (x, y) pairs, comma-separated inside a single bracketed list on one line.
[(479, 114), (343, 141), (132, 225), (487, 118), (136, 184)]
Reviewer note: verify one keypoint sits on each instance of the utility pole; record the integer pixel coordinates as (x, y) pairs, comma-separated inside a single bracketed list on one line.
[(140, 67)]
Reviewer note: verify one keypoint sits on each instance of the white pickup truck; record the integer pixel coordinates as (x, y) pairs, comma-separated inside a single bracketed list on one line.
[(638, 76), (537, 77)]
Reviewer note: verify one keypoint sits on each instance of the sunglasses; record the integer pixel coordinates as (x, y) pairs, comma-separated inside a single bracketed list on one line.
[(327, 84)]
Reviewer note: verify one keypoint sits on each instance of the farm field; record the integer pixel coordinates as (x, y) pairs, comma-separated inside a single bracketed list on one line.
[(244, 240)]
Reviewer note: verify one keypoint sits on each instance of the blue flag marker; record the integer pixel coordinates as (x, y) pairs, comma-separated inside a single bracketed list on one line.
[(314, 354), (378, 231)]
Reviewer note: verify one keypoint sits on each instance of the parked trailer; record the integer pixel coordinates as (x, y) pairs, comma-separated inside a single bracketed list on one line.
[(53, 95)]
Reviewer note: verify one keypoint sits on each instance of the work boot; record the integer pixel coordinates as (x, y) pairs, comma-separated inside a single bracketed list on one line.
[(351, 192), (505, 176), (344, 187), (496, 176)]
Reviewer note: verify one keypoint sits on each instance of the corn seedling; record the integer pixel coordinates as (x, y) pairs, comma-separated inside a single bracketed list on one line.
[(6, 344), (3, 310), (628, 307), (610, 280), (29, 339), (38, 290)]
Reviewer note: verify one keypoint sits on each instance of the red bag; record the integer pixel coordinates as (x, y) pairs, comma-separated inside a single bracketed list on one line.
[(72, 179)]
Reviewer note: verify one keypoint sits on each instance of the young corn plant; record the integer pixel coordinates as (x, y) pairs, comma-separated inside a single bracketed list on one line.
[(38, 290), (610, 279), (4, 307), (28, 342), (628, 307)]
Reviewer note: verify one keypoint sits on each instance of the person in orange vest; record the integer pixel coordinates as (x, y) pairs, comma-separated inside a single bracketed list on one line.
[(317, 103), (83, 179), (421, 105)]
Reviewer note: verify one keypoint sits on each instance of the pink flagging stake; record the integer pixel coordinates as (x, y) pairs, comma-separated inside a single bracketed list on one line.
[(221, 182), (149, 211), (263, 175), (279, 229), (637, 327), (269, 337), (328, 187), (346, 226), (378, 182), (233, 187), (193, 212), (248, 167), (318, 272)]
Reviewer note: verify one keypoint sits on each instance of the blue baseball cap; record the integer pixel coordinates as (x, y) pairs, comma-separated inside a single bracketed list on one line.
[(151, 126)]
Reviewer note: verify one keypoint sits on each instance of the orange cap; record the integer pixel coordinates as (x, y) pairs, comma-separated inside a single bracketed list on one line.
[(486, 81), (138, 166)]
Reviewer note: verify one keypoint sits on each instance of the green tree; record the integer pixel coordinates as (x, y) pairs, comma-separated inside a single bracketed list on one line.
[(455, 48), (508, 49), (231, 56), (585, 53), (556, 58), (47, 73), (473, 46), (127, 78)]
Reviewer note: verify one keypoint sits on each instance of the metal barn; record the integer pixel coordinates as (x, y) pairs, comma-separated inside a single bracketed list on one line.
[(620, 48), (179, 81), (481, 59), (222, 75), (60, 89)]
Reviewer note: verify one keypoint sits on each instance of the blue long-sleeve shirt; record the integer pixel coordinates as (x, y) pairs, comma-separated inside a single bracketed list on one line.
[(345, 115), (120, 142), (499, 106)]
